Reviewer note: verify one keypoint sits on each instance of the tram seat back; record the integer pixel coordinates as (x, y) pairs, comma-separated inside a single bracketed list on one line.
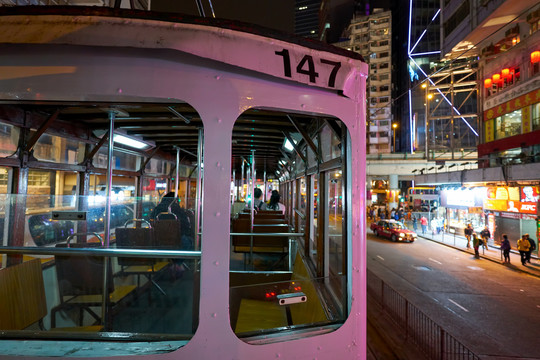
[(167, 234), (262, 243), (273, 215), (81, 275), (23, 300), (137, 237), (266, 221)]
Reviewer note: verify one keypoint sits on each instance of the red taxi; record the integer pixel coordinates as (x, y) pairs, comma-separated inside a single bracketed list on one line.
[(394, 230)]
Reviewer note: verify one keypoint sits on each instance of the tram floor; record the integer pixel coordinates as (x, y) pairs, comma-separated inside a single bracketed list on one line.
[(153, 312)]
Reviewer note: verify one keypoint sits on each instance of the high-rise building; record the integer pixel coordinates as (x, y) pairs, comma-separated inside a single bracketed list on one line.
[(306, 18), (371, 36)]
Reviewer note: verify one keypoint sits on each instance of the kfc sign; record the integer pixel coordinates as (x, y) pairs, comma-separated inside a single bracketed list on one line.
[(527, 208)]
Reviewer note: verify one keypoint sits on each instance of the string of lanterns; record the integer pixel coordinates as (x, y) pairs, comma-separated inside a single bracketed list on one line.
[(508, 73)]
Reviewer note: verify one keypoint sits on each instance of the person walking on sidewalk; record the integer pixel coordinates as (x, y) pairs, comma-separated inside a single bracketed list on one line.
[(476, 245), (424, 223), (505, 248), (532, 247), (414, 223), (485, 234), (523, 246), (468, 233)]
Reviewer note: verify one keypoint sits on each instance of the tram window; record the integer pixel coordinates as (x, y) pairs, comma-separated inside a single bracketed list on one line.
[(59, 149), (122, 160), (311, 261), (9, 137)]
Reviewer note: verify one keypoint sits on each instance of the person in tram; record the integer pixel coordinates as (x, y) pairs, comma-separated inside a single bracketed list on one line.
[(485, 234), (468, 233), (523, 246), (274, 203), (168, 208), (505, 248), (257, 194)]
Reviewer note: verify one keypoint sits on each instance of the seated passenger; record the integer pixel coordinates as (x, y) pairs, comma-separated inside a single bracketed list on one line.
[(258, 202), (165, 210), (274, 203)]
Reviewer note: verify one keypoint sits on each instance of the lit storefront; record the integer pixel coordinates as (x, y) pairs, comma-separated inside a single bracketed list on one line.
[(512, 211), (463, 206)]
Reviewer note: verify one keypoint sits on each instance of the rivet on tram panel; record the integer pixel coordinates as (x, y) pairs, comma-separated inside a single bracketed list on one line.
[(219, 120), (119, 90), (319, 348), (303, 106), (216, 263), (217, 77), (218, 164), (218, 214), (214, 315), (278, 355)]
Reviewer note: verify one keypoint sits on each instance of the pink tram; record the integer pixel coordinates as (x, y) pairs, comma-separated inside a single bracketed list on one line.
[(133, 146)]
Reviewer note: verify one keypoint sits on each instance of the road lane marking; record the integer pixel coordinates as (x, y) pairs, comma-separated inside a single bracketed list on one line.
[(459, 306), (380, 257), (435, 261), (475, 268)]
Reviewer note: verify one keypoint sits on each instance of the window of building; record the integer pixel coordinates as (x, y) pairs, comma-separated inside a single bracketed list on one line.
[(535, 117), (508, 125)]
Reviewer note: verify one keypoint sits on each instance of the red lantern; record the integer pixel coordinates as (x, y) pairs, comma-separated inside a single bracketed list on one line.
[(505, 73), (496, 78), (535, 57), (487, 83)]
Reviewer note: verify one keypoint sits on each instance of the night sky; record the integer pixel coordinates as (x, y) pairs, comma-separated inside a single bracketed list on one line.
[(274, 14)]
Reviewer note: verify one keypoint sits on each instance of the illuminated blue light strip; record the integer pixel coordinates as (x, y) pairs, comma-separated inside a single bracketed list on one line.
[(437, 13), (425, 53), (411, 122), (444, 97), (410, 26), (417, 41)]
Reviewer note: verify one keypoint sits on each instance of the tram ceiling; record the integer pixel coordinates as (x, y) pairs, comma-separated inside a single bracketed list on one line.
[(260, 130)]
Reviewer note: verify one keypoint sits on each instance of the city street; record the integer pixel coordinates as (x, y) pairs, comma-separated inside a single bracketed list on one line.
[(492, 309)]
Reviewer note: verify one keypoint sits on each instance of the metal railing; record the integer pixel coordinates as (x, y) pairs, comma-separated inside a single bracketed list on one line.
[(426, 334)]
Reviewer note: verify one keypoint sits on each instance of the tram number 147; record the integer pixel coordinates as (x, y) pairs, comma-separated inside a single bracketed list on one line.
[(306, 66)]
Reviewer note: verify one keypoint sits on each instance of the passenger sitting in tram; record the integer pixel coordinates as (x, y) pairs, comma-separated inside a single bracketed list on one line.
[(274, 203), (169, 208), (258, 201)]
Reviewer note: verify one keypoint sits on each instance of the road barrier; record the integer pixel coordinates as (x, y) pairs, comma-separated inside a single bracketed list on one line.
[(426, 334)]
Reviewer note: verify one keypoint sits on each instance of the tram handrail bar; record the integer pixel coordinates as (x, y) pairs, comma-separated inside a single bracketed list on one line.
[(138, 253), (302, 216), (267, 234)]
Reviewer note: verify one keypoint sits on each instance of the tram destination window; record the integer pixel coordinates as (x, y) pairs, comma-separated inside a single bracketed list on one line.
[(295, 250)]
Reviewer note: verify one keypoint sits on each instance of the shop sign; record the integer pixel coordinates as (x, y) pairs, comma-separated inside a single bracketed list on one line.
[(529, 193), (460, 198), (503, 193), (510, 215), (476, 210), (528, 217), (498, 205), (512, 105), (527, 207)]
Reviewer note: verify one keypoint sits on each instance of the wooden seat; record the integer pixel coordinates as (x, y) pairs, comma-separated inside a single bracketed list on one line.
[(22, 302), (80, 284), (261, 243)]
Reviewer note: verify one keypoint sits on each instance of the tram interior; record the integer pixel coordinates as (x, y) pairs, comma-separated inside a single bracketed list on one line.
[(288, 270)]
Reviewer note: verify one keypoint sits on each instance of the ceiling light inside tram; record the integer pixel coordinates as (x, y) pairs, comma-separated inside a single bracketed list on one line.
[(131, 142)]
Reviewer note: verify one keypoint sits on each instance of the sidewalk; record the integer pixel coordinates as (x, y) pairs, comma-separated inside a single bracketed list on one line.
[(493, 254)]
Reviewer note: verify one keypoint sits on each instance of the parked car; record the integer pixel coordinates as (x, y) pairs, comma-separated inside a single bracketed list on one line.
[(394, 230)]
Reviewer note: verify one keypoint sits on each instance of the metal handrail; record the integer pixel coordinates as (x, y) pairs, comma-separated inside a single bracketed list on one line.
[(268, 234), (138, 253)]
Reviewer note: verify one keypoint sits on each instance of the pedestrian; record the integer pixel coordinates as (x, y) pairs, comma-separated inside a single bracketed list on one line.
[(423, 223), (505, 248), (485, 234), (523, 246), (415, 223), (476, 245), (468, 233), (531, 248)]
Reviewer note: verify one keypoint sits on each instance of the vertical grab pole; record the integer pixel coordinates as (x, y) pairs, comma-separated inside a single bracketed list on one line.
[(177, 174), (265, 190), (106, 260), (241, 182), (252, 207), (199, 199)]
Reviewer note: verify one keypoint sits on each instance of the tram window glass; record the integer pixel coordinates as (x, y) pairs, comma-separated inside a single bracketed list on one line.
[(122, 160), (330, 144), (266, 267), (9, 138), (59, 149), (3, 180), (158, 167)]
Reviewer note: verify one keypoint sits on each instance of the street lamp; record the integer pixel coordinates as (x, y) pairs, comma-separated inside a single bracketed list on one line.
[(394, 126)]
